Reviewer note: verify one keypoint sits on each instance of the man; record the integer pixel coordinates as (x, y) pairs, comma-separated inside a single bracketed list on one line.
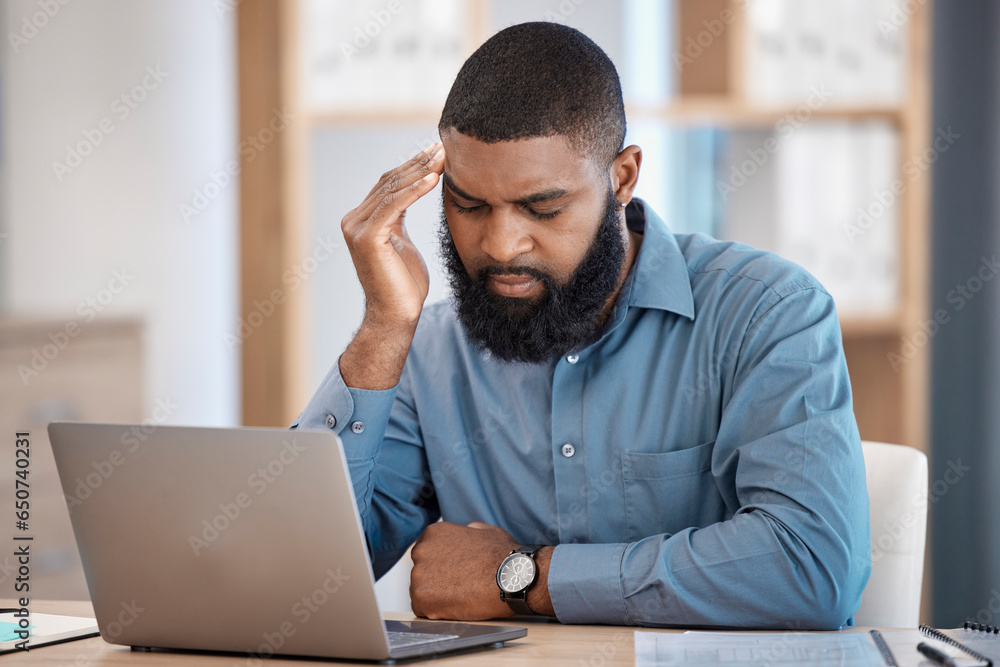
[(666, 420)]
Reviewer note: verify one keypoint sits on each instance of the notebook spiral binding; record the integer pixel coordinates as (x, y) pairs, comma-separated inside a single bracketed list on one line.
[(883, 648), (940, 636), (982, 628)]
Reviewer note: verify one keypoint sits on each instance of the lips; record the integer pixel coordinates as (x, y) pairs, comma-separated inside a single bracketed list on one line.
[(516, 286)]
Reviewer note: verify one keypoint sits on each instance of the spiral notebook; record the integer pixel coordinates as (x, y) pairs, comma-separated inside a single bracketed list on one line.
[(969, 647), (974, 645)]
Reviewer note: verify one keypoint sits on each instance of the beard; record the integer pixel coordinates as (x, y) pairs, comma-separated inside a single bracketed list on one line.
[(521, 329)]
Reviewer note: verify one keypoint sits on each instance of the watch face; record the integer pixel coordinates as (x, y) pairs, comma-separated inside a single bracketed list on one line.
[(516, 573)]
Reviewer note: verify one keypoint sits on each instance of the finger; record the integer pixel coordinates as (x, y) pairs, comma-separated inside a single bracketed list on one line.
[(422, 156), (480, 525), (386, 216), (417, 550), (403, 176), (432, 154), (363, 210), (399, 184)]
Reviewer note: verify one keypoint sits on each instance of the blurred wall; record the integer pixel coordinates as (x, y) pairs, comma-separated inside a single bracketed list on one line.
[(114, 113), (965, 461)]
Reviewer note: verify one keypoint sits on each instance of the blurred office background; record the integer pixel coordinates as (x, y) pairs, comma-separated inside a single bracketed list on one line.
[(173, 175)]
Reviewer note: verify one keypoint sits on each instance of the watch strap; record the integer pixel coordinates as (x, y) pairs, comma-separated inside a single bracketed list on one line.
[(517, 602), (530, 550)]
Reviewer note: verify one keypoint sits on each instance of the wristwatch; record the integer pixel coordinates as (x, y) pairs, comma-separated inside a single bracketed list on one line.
[(516, 575)]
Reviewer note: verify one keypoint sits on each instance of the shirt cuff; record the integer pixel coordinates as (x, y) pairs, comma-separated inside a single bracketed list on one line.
[(585, 583), (358, 416)]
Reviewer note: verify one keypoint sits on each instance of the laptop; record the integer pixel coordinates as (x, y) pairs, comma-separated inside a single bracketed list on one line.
[(240, 540)]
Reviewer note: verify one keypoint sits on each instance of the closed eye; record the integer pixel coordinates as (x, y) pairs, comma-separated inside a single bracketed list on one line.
[(541, 216), (533, 213), (465, 209)]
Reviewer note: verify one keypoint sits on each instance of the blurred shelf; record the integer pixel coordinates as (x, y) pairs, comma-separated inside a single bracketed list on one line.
[(717, 110), (854, 326), (374, 116), (689, 110)]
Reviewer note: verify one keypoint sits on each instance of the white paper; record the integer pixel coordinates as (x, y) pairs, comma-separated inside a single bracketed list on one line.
[(726, 649)]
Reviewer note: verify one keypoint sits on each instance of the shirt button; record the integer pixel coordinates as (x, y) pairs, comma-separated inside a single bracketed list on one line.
[(568, 450), (573, 358), (358, 427), (331, 421)]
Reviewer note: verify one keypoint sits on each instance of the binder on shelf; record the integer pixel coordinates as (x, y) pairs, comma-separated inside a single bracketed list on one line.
[(824, 196), (373, 55), (837, 211), (854, 48)]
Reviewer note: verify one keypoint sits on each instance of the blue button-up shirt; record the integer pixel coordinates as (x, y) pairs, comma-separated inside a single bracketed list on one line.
[(698, 463)]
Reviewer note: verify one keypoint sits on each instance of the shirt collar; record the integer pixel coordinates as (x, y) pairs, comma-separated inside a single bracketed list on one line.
[(660, 277)]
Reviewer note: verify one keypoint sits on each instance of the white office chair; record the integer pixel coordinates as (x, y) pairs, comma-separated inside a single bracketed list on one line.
[(897, 489)]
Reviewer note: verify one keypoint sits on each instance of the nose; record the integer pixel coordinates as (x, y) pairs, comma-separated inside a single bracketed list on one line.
[(505, 237)]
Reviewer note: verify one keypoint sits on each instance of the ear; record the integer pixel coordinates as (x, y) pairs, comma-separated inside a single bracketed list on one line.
[(625, 172)]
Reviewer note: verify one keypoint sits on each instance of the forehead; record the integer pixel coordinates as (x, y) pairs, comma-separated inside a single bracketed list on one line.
[(509, 170)]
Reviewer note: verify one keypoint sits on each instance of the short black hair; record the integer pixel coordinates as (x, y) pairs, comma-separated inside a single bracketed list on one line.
[(537, 80)]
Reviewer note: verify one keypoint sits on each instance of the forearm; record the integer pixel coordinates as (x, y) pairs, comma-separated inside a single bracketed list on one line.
[(749, 572), (375, 357)]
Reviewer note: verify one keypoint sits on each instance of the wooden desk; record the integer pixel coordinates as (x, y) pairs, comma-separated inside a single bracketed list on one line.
[(547, 643)]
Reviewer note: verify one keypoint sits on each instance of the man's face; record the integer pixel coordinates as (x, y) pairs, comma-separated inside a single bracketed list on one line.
[(533, 240)]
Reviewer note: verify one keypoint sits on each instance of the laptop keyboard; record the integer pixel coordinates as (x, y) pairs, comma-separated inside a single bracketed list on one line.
[(404, 639)]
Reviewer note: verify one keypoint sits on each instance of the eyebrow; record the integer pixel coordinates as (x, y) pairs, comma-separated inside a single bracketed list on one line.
[(534, 198)]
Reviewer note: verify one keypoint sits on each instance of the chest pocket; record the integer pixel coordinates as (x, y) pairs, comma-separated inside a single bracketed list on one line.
[(666, 492)]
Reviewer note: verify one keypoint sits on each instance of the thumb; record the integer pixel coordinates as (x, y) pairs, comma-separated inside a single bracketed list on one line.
[(480, 525)]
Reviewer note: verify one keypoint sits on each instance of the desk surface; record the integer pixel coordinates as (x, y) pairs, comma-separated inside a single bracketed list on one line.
[(547, 643)]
